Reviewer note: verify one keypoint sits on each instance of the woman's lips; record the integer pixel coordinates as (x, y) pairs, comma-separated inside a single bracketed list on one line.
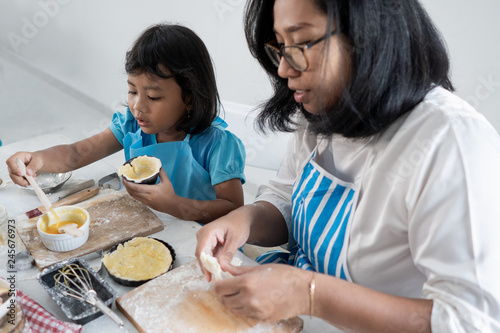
[(300, 96)]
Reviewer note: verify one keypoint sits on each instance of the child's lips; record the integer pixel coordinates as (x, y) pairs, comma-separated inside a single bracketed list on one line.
[(142, 123)]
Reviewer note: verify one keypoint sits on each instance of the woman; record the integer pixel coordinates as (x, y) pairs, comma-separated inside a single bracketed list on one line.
[(386, 195)]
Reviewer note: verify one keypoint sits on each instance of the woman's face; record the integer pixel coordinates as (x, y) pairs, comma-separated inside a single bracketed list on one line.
[(299, 22), (157, 105)]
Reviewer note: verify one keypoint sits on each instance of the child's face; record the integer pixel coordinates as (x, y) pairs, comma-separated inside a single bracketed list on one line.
[(157, 105)]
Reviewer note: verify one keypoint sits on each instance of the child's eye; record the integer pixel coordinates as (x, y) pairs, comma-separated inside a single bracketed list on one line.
[(132, 92), (154, 98)]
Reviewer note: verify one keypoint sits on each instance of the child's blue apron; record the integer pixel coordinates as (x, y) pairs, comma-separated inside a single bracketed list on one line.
[(322, 210), (188, 177)]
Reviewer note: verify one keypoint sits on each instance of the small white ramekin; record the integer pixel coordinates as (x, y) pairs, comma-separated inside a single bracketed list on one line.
[(64, 242)]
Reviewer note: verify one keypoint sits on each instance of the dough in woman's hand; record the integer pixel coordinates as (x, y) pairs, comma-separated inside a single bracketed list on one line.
[(212, 265)]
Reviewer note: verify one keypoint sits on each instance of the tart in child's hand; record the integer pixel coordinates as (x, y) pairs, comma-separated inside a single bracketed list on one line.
[(141, 169)]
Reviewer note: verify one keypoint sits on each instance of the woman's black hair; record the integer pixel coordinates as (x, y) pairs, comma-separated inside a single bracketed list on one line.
[(186, 57), (397, 56)]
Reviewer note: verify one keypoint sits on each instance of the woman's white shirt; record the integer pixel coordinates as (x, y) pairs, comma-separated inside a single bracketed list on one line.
[(428, 216)]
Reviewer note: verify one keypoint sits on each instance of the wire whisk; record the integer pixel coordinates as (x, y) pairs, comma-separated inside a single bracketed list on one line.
[(74, 281)]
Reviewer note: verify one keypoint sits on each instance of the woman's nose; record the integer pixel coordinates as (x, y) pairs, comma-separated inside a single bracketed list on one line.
[(285, 70)]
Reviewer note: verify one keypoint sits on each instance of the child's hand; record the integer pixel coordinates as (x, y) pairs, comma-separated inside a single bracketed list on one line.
[(33, 164), (154, 196)]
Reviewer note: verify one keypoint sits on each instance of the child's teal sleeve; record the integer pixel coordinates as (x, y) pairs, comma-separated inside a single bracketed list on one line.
[(227, 159), (122, 124)]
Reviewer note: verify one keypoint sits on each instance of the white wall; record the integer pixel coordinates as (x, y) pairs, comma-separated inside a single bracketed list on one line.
[(82, 43), (472, 32)]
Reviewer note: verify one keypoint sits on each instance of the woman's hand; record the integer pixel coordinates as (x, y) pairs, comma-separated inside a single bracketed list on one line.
[(154, 196), (222, 238), (267, 292), (33, 164)]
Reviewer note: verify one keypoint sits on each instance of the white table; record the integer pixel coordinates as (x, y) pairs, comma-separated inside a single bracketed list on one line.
[(180, 234)]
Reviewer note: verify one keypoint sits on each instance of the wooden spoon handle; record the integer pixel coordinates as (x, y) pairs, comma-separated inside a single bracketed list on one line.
[(72, 199), (41, 195), (71, 229), (77, 197)]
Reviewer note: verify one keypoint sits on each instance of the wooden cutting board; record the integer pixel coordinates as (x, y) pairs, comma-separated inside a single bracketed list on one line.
[(182, 301), (114, 218)]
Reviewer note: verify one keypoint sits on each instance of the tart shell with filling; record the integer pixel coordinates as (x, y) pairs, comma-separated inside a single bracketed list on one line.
[(141, 169), (138, 260)]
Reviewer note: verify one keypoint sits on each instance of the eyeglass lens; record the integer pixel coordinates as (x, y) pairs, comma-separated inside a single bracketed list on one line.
[(273, 54), (294, 55)]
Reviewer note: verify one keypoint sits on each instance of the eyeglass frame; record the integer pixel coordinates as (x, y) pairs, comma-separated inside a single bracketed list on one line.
[(269, 47)]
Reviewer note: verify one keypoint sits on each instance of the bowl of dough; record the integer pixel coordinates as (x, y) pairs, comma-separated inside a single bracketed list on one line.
[(51, 228), (142, 169), (138, 260)]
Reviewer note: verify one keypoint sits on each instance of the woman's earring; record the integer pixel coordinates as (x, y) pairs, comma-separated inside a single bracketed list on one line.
[(189, 113)]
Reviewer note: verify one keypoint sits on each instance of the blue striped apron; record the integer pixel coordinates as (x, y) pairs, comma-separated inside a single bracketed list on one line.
[(322, 211)]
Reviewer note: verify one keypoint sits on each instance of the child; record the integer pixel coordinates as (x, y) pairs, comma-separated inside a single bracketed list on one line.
[(172, 114)]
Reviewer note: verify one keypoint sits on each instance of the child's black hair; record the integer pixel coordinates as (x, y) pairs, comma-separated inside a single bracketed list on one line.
[(397, 56), (185, 55)]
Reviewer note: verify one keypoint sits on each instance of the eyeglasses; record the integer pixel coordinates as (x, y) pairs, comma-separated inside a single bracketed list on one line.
[(295, 55)]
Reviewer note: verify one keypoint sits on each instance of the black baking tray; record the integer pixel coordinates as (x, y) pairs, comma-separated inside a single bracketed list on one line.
[(136, 283), (78, 311)]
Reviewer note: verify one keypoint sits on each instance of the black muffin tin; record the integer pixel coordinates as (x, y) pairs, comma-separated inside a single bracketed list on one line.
[(76, 310), (135, 283)]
